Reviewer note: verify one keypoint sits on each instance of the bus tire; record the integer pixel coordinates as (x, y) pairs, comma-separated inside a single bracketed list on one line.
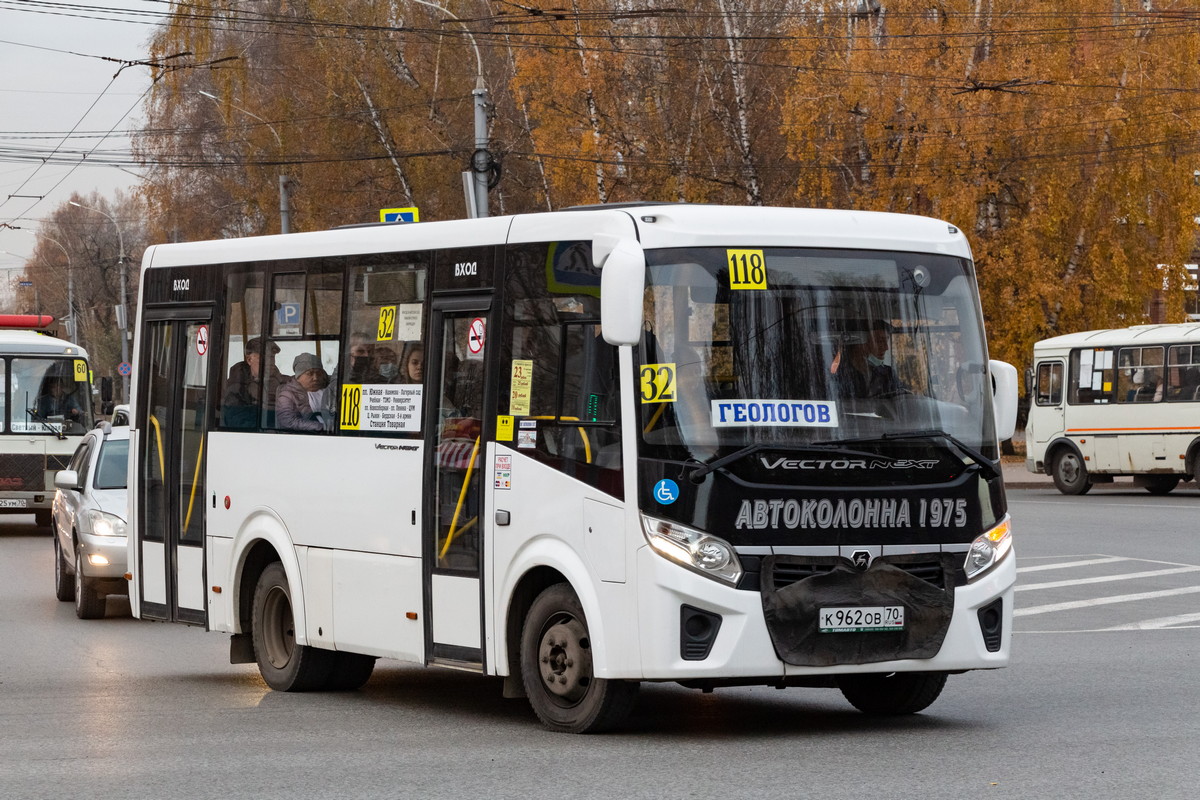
[(285, 665), (64, 584), (556, 668), (1161, 484), (43, 519), (89, 604), (350, 671), (892, 694), (1070, 475)]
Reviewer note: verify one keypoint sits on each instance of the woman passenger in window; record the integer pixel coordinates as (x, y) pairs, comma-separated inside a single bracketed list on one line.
[(308, 402), (413, 369)]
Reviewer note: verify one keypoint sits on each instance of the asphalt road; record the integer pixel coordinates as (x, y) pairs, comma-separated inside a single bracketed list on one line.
[(1101, 701)]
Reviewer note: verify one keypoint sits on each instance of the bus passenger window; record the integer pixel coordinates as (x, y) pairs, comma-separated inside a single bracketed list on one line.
[(1140, 377), (308, 402), (1183, 375)]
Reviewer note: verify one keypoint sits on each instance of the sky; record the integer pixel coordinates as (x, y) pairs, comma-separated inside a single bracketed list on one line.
[(56, 82)]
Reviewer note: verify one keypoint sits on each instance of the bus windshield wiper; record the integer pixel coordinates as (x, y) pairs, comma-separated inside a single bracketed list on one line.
[(709, 466), (45, 423), (962, 447), (985, 463)]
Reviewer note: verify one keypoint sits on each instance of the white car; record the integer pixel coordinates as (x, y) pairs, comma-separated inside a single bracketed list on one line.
[(89, 514)]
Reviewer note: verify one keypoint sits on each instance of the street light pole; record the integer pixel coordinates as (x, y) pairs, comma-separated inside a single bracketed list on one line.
[(123, 312), (284, 205), (481, 159)]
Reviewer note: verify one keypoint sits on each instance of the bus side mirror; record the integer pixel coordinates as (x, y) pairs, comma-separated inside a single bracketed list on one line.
[(1004, 398), (622, 284)]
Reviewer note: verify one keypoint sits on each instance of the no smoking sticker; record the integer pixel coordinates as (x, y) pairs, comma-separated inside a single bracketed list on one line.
[(202, 339), (475, 336)]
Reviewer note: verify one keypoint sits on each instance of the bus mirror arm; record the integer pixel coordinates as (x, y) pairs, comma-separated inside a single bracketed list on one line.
[(622, 283), (1004, 398)]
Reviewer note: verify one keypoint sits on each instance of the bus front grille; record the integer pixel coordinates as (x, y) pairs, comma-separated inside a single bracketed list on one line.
[(22, 472), (789, 572)]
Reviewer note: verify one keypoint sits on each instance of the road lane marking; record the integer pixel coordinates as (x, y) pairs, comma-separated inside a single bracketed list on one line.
[(1103, 601), (1156, 624), (1128, 576), (1066, 564)]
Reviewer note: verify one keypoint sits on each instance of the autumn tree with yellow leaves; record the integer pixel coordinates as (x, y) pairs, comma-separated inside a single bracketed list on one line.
[(1060, 139)]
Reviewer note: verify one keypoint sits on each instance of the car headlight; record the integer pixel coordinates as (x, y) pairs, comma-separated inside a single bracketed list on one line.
[(702, 552), (989, 549), (106, 524)]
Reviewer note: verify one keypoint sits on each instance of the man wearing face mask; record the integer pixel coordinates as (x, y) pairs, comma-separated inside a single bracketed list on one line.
[(860, 369), (385, 364), (359, 356)]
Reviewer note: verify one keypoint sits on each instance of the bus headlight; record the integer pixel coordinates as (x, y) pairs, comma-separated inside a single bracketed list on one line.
[(106, 524), (702, 552), (989, 549)]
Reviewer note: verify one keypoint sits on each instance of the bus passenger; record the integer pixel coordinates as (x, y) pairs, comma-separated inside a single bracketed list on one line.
[(414, 364), (239, 403), (385, 365), (307, 403)]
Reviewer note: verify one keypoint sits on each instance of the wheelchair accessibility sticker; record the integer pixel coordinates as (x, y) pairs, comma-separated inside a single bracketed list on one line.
[(666, 491)]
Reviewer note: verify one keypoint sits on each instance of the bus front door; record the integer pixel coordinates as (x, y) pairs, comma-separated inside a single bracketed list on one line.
[(172, 420), (457, 521)]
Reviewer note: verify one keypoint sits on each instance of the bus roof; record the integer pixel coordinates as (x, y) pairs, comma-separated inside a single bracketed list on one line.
[(1185, 332), (33, 343), (654, 225)]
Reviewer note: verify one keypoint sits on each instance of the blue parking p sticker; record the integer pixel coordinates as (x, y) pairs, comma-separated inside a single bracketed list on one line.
[(666, 491)]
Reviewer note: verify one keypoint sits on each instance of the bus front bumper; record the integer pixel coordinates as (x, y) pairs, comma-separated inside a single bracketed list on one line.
[(742, 647)]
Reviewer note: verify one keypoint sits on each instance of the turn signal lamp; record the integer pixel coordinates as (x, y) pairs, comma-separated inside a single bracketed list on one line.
[(989, 549)]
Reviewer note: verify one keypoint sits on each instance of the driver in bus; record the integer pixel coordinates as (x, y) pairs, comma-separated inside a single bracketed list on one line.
[(860, 369), (58, 402)]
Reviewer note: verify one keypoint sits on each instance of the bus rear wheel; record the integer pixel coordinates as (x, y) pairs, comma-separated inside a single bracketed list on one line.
[(556, 668), (285, 665), (894, 694), (1070, 475)]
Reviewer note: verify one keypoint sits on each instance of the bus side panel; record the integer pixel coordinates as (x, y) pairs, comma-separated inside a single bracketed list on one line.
[(549, 516), (337, 492), (358, 602)]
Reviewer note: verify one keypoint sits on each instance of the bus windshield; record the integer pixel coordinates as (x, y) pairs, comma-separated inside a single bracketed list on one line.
[(792, 348), (46, 398)]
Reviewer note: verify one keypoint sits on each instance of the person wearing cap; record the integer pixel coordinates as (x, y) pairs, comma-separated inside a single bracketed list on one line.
[(307, 402), (239, 403), (860, 369)]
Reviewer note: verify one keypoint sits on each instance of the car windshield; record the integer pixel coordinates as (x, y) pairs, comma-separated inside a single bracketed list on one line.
[(787, 348), (112, 465)]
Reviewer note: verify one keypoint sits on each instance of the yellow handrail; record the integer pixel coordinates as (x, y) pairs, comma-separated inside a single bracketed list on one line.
[(587, 446), (462, 495), (162, 462), (658, 413), (187, 520)]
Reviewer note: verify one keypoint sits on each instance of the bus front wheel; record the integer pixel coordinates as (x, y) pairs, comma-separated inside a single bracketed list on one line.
[(285, 665), (556, 668), (894, 694), (1070, 475)]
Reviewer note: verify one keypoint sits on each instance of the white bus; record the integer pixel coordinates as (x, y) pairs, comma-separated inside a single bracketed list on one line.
[(45, 408), (1115, 402), (580, 450)]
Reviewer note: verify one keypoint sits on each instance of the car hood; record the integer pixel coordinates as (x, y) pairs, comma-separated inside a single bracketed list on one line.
[(111, 501)]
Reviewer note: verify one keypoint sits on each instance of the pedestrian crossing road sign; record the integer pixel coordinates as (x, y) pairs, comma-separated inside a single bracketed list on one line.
[(399, 215)]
